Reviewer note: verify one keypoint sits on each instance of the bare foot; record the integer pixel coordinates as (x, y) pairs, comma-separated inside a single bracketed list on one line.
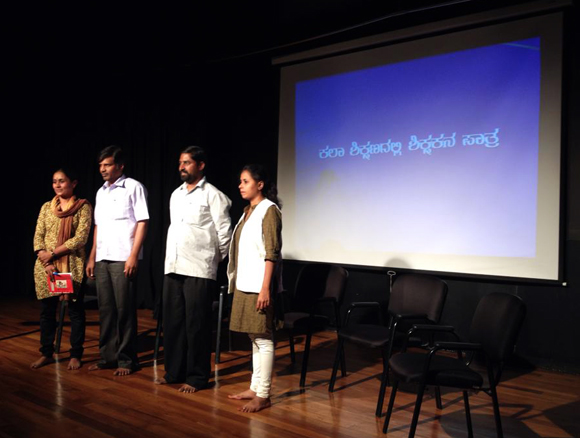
[(188, 389), (246, 395), (74, 364), (256, 404), (95, 367), (122, 371), (41, 362), (160, 381)]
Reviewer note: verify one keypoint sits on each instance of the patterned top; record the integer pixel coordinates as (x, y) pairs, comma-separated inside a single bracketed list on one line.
[(45, 237)]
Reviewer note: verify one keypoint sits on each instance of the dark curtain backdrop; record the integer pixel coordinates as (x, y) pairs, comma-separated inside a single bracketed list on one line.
[(59, 114), (231, 110)]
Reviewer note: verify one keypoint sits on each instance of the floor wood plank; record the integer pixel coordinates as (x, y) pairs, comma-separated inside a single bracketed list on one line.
[(55, 402)]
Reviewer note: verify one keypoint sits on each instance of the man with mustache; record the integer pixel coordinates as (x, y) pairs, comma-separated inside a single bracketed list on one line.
[(197, 240), (121, 218)]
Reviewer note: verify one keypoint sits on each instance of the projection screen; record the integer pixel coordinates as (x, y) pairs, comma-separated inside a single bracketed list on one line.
[(435, 154)]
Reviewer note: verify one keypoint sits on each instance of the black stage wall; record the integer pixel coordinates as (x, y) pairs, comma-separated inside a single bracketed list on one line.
[(67, 111)]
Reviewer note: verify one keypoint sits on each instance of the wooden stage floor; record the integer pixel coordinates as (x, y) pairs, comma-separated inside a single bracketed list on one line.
[(54, 402)]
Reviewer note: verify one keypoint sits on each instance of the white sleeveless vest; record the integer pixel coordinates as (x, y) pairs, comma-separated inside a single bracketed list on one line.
[(249, 273)]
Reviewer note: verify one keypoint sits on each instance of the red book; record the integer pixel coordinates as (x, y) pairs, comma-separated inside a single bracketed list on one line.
[(62, 283)]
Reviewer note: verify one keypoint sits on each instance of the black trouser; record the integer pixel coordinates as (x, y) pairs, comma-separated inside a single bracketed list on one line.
[(76, 313), (187, 334), (117, 315)]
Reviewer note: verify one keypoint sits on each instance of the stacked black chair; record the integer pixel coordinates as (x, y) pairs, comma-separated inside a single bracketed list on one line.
[(316, 284), (414, 299), (493, 334), (62, 313), (221, 309)]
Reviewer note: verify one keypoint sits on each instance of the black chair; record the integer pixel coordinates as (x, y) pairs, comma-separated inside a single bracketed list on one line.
[(493, 333), (316, 284), (414, 299), (220, 307)]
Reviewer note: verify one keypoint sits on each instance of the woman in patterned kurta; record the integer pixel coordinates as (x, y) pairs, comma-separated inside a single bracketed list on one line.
[(255, 249), (62, 230)]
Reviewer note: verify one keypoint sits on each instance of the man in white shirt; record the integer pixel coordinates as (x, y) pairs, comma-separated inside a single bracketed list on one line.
[(197, 240), (121, 219)]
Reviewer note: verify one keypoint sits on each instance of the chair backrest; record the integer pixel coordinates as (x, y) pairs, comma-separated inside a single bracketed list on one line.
[(418, 294), (496, 324), (336, 283), (319, 280)]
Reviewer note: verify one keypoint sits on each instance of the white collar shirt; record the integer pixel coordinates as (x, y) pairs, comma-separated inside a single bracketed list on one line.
[(200, 231), (118, 208)]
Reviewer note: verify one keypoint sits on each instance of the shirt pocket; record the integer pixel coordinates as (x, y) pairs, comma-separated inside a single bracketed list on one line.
[(196, 215), (120, 208)]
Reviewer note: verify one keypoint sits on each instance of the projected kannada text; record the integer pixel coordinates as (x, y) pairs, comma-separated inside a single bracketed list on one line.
[(430, 143), (427, 145), (366, 150), (489, 139), (327, 152)]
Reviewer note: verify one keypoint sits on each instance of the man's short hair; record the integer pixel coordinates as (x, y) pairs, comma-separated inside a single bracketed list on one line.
[(113, 151), (197, 153)]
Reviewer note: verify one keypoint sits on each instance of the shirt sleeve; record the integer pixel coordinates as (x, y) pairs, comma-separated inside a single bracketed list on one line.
[(84, 228), (97, 210), (140, 210), (272, 229), (40, 230), (220, 212)]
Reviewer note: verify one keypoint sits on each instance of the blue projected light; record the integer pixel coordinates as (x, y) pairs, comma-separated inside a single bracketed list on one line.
[(437, 155)]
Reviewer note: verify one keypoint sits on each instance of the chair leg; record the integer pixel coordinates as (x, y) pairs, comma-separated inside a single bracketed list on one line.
[(291, 342), (467, 414), (438, 398), (219, 328), (63, 305), (391, 404), (496, 413), (384, 383), (229, 339), (338, 326), (342, 363), (305, 359), (339, 354), (417, 410), (492, 388), (158, 334)]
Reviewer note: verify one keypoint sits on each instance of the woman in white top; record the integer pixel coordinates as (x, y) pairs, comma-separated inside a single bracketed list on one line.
[(254, 255)]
